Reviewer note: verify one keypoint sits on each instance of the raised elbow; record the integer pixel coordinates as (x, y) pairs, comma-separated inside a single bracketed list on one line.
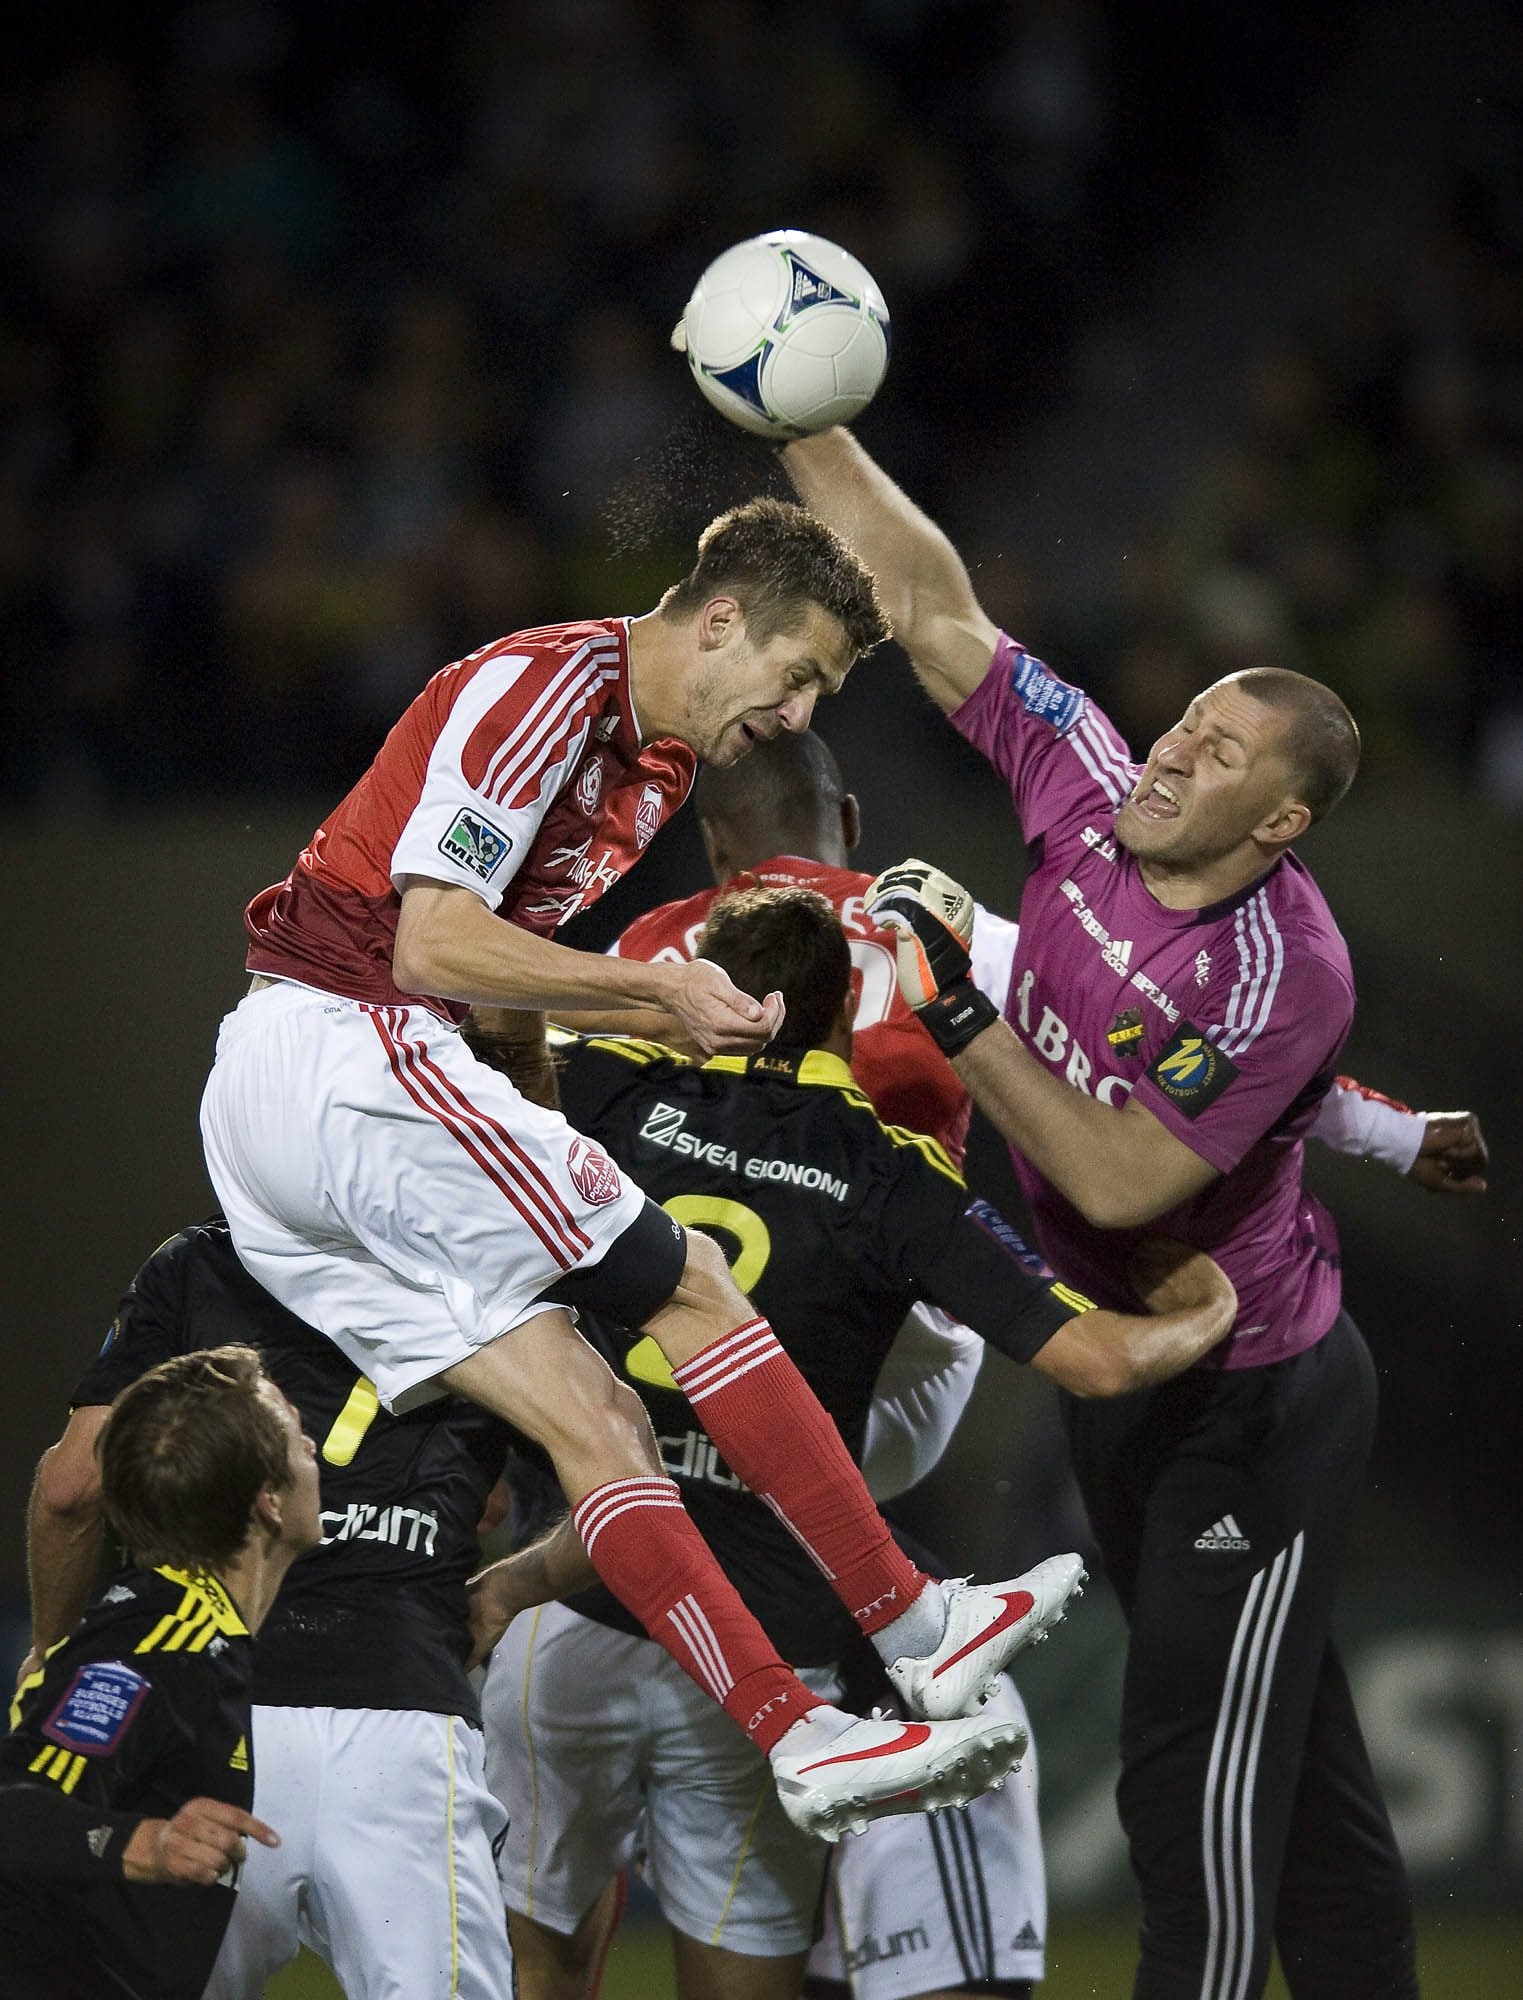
[(1107, 1374)]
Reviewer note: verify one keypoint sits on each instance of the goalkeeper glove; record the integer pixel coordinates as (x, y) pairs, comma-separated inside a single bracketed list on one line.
[(932, 919)]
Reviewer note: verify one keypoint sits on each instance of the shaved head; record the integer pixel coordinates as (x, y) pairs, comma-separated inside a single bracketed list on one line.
[(786, 797), (1321, 742)]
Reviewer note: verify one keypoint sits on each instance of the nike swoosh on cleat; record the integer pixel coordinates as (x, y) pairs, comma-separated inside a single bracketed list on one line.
[(1017, 1604), (909, 1738)]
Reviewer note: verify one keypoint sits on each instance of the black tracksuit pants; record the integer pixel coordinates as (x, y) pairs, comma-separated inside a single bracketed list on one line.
[(1221, 1503)]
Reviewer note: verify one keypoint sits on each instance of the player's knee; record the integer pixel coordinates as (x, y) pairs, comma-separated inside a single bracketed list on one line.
[(705, 1270)]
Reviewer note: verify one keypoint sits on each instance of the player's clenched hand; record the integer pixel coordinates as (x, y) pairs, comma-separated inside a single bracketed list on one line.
[(492, 1605), (718, 1018), (1453, 1156), (204, 1839), (931, 917), (1170, 1277)]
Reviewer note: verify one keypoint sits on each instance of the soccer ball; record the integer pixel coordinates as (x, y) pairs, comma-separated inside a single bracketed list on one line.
[(786, 334)]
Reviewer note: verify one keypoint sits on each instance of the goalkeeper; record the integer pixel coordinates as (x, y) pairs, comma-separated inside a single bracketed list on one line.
[(1178, 1001)]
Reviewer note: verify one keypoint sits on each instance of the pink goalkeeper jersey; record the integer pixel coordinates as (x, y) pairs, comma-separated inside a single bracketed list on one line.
[(1225, 1022)]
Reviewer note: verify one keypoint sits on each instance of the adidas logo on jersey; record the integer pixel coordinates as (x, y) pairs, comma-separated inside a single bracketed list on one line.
[(1026, 1938), (1226, 1534)]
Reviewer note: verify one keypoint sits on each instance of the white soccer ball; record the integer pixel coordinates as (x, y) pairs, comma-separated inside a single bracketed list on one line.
[(786, 334)]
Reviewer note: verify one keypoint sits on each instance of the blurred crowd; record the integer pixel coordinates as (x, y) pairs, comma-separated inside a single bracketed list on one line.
[(333, 344)]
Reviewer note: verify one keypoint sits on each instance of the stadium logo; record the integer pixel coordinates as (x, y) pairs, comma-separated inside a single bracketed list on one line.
[(474, 843), (596, 1176)]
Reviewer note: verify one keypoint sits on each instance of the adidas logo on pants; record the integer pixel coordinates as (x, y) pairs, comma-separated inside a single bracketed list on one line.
[(1226, 1534)]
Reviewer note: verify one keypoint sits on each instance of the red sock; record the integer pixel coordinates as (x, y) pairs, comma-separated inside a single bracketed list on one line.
[(645, 1548), (775, 1435)]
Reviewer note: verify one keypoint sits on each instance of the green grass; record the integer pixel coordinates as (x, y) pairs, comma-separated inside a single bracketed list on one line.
[(1470, 1959)]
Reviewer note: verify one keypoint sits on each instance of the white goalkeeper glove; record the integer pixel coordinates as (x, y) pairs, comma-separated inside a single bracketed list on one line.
[(932, 919)]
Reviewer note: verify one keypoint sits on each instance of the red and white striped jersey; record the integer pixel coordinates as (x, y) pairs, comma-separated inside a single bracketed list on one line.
[(893, 1058), (517, 773)]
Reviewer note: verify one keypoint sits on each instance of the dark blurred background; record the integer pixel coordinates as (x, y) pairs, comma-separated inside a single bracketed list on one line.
[(333, 345)]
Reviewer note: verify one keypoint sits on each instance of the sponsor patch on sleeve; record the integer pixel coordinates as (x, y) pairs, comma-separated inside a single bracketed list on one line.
[(1190, 1071), (1006, 1234), (97, 1707), (474, 843), (1043, 695)]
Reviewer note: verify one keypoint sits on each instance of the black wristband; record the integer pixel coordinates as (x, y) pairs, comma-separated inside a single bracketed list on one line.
[(956, 1015)]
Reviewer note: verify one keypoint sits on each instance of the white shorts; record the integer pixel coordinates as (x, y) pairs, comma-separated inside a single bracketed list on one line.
[(925, 1903), (390, 1189), (384, 1867), (596, 1739)]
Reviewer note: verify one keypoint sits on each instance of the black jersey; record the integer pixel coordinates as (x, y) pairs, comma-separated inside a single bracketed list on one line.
[(376, 1616), (834, 1225), (145, 1707)]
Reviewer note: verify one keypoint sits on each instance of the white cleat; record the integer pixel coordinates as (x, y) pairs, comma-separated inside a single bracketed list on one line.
[(987, 1625), (883, 1765)]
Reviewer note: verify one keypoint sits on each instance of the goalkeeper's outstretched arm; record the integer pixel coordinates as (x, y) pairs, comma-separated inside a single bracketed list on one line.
[(922, 580)]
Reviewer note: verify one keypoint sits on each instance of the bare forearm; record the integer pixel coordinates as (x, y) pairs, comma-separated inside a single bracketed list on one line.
[(1111, 1354), (1093, 1154), (62, 1553), (922, 581), (650, 1024), (449, 944), (554, 1566)]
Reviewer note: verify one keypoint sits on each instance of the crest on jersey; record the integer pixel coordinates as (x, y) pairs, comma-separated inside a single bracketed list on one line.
[(589, 785), (596, 1176), (97, 1707), (1125, 1033), (474, 843), (648, 815)]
